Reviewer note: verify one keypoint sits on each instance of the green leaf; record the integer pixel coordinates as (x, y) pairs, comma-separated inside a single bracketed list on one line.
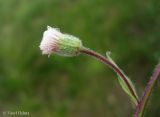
[(126, 89), (123, 82)]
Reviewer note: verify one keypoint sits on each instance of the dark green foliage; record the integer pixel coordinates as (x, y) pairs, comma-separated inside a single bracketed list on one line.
[(78, 86)]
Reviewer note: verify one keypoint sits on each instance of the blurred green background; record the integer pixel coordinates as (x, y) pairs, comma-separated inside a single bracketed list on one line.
[(77, 86)]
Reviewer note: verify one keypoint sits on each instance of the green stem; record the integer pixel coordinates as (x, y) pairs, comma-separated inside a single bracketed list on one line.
[(147, 91), (110, 64)]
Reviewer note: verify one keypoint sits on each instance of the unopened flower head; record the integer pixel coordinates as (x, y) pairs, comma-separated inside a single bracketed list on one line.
[(54, 41)]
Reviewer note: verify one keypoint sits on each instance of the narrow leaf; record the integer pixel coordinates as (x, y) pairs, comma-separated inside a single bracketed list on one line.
[(124, 84)]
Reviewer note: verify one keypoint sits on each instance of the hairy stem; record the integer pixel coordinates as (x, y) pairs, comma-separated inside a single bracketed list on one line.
[(111, 65), (147, 91)]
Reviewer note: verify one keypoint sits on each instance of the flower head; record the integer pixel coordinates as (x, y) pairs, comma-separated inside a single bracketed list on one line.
[(54, 41)]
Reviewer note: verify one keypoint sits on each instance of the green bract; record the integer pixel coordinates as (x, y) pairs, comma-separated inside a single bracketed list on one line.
[(69, 45)]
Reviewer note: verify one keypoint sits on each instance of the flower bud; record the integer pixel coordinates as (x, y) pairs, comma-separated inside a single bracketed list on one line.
[(54, 41)]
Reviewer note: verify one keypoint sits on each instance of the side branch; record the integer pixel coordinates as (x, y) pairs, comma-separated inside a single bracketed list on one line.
[(146, 93)]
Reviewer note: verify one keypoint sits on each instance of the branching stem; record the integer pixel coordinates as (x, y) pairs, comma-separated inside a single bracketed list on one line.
[(147, 91)]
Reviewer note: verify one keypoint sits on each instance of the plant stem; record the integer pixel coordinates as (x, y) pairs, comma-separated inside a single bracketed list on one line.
[(111, 65), (146, 93)]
